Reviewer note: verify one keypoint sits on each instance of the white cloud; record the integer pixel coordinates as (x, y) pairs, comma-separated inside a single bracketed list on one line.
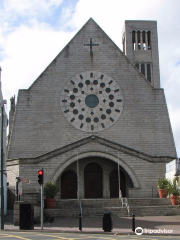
[(30, 7), (28, 51)]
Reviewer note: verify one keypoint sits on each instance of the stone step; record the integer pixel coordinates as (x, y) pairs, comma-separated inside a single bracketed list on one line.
[(67, 203), (99, 212), (148, 201), (90, 207), (96, 207), (152, 207), (100, 203), (163, 210), (88, 203), (86, 212)]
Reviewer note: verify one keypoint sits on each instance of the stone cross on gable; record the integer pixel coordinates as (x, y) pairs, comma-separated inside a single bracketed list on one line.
[(91, 45)]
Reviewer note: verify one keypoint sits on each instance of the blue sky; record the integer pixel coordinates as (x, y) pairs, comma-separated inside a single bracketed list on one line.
[(33, 32)]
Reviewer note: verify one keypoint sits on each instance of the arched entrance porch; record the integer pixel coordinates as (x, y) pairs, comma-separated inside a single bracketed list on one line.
[(108, 164)]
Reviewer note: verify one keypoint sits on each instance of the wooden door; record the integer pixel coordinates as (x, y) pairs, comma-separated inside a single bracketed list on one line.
[(69, 185), (114, 185), (93, 181)]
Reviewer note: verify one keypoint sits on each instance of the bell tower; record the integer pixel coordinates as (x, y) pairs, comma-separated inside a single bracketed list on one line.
[(140, 45)]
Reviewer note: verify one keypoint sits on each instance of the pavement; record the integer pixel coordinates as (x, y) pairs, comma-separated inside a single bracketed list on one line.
[(155, 224)]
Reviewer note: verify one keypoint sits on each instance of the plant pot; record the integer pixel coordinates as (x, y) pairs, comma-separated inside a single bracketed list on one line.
[(50, 202), (163, 193), (174, 199)]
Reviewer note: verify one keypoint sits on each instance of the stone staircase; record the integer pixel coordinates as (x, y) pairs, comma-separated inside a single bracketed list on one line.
[(152, 207), (96, 207), (90, 208)]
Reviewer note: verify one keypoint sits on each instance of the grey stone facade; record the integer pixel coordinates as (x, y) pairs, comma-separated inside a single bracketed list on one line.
[(140, 139)]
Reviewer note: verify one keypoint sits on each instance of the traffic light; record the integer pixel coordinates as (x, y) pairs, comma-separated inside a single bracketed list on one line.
[(40, 176)]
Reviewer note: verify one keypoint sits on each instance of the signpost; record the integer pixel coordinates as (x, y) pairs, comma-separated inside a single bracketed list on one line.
[(19, 185), (24, 180), (20, 189)]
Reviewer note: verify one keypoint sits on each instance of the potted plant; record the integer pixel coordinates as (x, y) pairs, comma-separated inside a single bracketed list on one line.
[(50, 191), (174, 192), (162, 186)]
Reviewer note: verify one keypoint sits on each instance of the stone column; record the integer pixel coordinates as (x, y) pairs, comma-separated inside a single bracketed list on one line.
[(136, 42), (146, 37), (141, 41)]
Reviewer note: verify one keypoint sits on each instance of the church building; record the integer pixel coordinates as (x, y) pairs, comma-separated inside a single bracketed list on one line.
[(95, 119)]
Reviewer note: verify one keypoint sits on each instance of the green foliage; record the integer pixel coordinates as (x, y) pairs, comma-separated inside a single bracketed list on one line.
[(173, 188), (51, 189), (163, 183)]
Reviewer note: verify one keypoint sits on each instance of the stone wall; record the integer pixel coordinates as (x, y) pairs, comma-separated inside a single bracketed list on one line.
[(141, 174)]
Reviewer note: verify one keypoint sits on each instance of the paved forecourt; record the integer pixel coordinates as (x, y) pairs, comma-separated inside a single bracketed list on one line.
[(9, 235), (156, 225)]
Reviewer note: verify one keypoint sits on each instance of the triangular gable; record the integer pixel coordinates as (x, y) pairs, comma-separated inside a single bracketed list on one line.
[(88, 140)]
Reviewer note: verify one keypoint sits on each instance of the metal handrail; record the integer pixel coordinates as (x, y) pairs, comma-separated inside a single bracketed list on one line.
[(127, 206), (124, 202)]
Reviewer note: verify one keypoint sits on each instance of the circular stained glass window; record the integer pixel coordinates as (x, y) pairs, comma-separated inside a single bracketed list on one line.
[(92, 101), (87, 82), (95, 82)]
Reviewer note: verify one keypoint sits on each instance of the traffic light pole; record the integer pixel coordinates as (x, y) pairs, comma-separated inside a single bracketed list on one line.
[(40, 181), (42, 206)]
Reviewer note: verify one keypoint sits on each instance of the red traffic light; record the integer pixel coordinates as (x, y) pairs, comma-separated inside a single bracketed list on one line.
[(40, 172), (40, 177)]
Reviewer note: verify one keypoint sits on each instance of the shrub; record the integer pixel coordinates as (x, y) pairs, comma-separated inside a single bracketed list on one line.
[(163, 183), (51, 189), (173, 188)]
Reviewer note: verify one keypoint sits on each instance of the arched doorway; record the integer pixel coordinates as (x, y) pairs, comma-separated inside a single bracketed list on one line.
[(93, 181), (114, 184), (69, 185)]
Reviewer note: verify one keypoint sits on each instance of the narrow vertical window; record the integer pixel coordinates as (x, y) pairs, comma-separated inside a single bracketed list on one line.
[(143, 68), (149, 40), (149, 72), (139, 40), (144, 40), (134, 40), (124, 45), (137, 65)]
